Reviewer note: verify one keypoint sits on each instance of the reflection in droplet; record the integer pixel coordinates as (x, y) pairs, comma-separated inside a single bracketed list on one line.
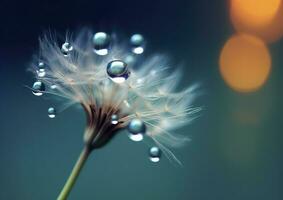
[(136, 129), (101, 42), (38, 88), (154, 154), (117, 71), (51, 112)]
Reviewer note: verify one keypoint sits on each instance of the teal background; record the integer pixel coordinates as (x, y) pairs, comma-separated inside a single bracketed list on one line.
[(236, 148)]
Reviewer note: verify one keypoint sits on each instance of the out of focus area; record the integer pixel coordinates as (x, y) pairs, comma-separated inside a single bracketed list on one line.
[(234, 48)]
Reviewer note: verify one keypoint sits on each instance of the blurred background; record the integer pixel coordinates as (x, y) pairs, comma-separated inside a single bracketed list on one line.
[(234, 47)]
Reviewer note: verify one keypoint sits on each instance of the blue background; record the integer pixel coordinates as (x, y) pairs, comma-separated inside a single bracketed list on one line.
[(236, 148)]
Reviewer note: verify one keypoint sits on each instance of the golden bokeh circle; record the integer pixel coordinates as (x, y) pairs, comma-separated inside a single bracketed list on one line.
[(263, 18), (245, 62)]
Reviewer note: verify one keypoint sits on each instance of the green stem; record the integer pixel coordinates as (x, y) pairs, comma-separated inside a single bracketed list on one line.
[(74, 174)]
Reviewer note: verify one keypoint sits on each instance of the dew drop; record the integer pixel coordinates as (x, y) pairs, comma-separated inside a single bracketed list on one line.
[(40, 69), (38, 88), (41, 65), (41, 73), (118, 71), (51, 112), (114, 119), (136, 129), (101, 43), (66, 49), (137, 43), (127, 104), (53, 87), (130, 60), (154, 154)]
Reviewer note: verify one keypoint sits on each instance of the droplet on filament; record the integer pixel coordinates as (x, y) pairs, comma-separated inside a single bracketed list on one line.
[(67, 48), (118, 71), (101, 43), (137, 43), (154, 154), (38, 88), (136, 129), (114, 119), (51, 112)]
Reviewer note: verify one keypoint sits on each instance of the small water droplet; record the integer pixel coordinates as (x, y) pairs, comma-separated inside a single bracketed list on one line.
[(40, 69), (51, 112), (118, 71), (53, 87), (154, 154), (136, 129), (114, 119), (130, 60), (137, 43), (127, 104), (67, 48), (101, 43), (38, 88), (41, 65), (41, 73)]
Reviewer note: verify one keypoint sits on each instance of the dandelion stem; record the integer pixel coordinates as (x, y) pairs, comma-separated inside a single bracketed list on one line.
[(74, 174)]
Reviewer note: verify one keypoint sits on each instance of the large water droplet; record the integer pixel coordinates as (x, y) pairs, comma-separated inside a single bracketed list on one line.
[(137, 43), (67, 48), (154, 154), (118, 71), (114, 119), (136, 129), (101, 42), (51, 112), (38, 88)]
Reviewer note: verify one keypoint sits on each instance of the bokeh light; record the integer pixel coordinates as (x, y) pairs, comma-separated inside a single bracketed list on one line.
[(263, 18), (245, 62)]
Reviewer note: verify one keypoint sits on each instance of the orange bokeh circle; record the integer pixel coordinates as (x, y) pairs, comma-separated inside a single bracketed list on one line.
[(245, 62), (263, 18)]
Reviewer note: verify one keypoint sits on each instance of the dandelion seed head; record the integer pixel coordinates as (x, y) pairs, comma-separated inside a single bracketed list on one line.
[(114, 94)]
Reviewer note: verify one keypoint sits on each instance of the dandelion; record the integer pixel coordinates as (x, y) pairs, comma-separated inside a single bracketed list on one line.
[(118, 88)]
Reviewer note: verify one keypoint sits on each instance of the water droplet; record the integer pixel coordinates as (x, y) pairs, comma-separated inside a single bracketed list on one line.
[(137, 43), (51, 112), (53, 87), (130, 60), (41, 73), (67, 48), (41, 69), (101, 42), (41, 65), (154, 154), (126, 103), (114, 119), (136, 129), (38, 88), (118, 71)]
